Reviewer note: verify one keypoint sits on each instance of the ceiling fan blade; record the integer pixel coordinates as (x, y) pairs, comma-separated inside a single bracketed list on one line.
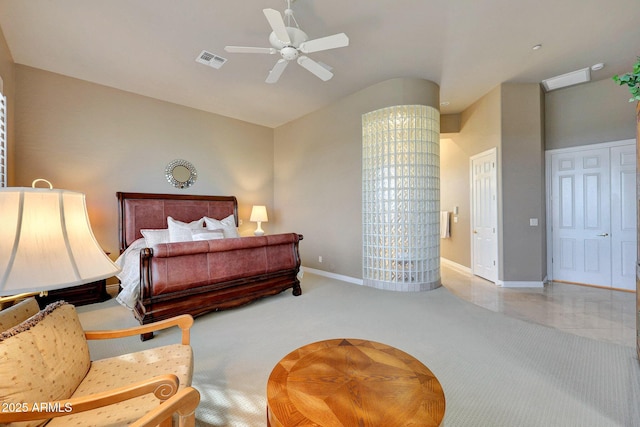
[(247, 49), (277, 70), (277, 25), (315, 68), (325, 43)]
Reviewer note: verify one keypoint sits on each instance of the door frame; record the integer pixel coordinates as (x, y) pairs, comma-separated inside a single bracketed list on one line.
[(549, 185), (492, 151)]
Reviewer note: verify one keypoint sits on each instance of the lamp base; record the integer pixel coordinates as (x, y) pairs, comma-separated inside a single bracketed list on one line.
[(13, 298), (259, 231)]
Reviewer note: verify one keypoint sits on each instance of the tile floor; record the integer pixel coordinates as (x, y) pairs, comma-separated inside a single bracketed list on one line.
[(602, 314)]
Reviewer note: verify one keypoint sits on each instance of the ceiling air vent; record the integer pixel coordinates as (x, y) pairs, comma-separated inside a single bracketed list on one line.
[(569, 79), (211, 59)]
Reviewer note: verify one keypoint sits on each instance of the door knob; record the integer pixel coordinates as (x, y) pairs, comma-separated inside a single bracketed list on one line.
[(475, 232), (603, 234)]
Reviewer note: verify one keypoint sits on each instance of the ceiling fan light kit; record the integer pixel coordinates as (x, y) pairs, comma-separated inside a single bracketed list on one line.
[(292, 43)]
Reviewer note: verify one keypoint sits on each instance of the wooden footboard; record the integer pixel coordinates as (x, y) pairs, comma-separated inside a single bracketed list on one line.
[(222, 296), (199, 277), (165, 290)]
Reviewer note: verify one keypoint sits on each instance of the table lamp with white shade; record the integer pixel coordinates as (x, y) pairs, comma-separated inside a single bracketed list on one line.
[(259, 215), (46, 242)]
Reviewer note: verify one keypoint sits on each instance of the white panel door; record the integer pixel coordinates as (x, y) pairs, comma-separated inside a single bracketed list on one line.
[(484, 215), (623, 217), (581, 217)]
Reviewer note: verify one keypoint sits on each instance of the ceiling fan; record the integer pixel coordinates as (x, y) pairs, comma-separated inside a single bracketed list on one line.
[(292, 43)]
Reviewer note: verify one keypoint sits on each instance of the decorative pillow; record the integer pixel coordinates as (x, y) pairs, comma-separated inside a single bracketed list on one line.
[(17, 313), (44, 358), (155, 237), (207, 234), (181, 231), (227, 225)]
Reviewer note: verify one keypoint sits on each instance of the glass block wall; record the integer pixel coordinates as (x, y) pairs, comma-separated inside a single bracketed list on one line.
[(401, 198)]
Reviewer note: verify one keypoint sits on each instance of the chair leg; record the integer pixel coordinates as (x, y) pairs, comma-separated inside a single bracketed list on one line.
[(187, 421)]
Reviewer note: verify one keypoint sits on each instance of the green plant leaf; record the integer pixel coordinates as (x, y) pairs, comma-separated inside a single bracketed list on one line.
[(632, 80)]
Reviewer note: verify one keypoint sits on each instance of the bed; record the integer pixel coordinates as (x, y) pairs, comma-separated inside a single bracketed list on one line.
[(181, 254)]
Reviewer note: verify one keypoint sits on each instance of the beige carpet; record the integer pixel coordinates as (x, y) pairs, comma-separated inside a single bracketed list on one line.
[(495, 370)]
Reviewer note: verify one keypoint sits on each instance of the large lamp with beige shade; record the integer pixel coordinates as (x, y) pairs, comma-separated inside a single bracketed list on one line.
[(46, 242)]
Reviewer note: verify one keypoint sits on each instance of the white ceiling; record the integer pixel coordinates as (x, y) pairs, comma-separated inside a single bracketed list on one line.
[(468, 47)]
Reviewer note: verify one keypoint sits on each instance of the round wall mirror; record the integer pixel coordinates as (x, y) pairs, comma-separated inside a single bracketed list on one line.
[(181, 174)]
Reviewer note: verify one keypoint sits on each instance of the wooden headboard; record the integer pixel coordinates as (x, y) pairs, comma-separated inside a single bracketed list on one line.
[(137, 211)]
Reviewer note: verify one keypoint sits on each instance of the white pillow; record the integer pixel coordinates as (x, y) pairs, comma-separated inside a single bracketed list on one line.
[(227, 225), (207, 234), (181, 231), (155, 237)]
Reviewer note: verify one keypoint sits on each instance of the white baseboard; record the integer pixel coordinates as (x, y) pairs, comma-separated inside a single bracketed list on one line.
[(501, 283), (455, 265), (333, 275), (519, 284), (447, 262), (358, 281)]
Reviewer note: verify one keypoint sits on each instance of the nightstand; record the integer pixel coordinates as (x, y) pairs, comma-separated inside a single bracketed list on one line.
[(88, 293)]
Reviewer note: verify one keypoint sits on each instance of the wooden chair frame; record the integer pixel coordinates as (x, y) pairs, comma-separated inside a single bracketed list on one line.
[(164, 387)]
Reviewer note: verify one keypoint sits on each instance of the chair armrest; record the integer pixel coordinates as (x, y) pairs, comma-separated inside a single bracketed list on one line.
[(162, 386), (184, 403), (184, 322)]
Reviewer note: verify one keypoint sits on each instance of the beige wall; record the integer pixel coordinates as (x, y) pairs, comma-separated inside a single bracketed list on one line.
[(523, 257), (454, 191), (318, 176), (479, 132), (588, 114), (522, 122), (8, 89), (450, 123), (509, 118), (98, 140)]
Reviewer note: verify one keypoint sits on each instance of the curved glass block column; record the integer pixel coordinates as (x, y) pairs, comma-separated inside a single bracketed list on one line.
[(401, 198)]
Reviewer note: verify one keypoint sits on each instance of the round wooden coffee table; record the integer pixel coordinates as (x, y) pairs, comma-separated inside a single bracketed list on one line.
[(353, 382)]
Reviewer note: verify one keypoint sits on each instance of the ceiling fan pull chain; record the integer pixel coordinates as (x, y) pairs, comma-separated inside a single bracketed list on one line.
[(294, 21), (289, 14)]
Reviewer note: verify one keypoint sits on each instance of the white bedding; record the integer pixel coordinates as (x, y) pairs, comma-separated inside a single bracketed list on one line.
[(129, 262)]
